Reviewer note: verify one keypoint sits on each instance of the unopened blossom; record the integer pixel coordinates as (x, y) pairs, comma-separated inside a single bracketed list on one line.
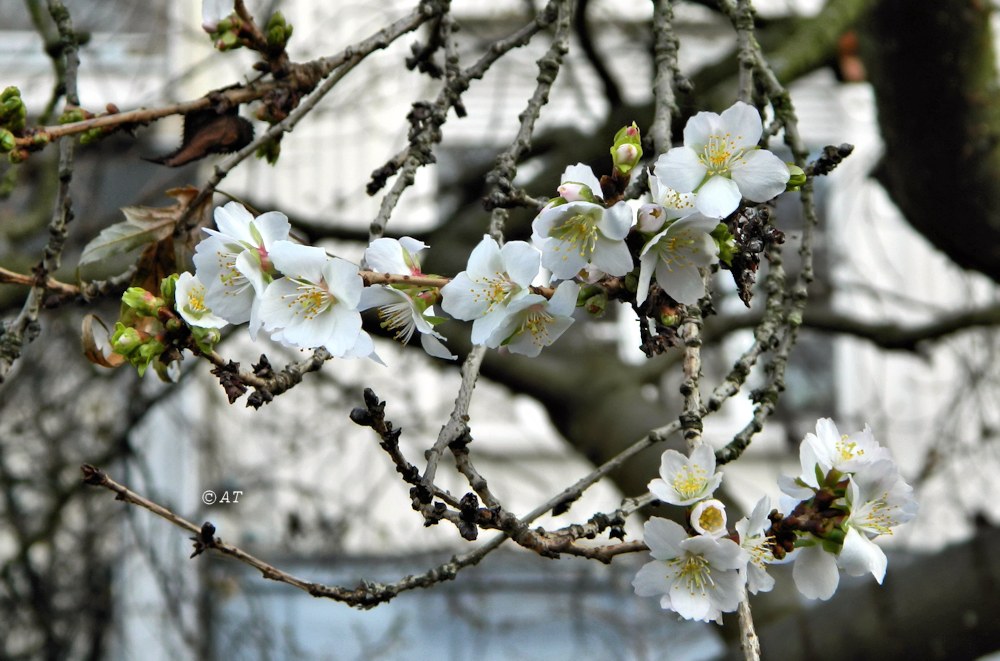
[(575, 230), (234, 261), (756, 543), (721, 162), (316, 303), (533, 322), (676, 255), (494, 278), (667, 205), (403, 309), (686, 480), (708, 517), (697, 577), (189, 300)]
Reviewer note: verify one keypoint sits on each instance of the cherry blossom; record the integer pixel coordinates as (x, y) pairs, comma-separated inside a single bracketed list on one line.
[(721, 162)]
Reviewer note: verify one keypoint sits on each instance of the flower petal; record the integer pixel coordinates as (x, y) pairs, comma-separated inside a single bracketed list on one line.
[(718, 197), (815, 573), (521, 260), (861, 555), (760, 175), (741, 122), (680, 169)]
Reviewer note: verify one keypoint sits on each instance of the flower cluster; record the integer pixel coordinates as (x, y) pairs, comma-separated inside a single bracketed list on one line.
[(850, 491), (520, 296), (693, 188)]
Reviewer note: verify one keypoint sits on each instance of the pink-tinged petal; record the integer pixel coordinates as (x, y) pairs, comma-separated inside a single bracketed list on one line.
[(582, 174), (815, 573), (612, 257), (742, 124), (273, 226), (718, 197), (760, 175), (680, 169), (522, 261), (700, 128), (616, 221), (861, 555)]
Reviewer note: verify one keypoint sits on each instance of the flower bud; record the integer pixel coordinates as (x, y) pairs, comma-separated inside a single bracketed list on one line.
[(572, 191), (142, 301), (7, 141), (797, 177), (651, 218), (126, 339), (627, 149)]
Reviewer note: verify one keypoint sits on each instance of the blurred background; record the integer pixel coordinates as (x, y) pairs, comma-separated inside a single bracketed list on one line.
[(899, 333)]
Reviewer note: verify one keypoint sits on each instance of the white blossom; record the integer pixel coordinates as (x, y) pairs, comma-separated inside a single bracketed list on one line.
[(575, 230), (234, 262), (189, 300), (755, 542), (676, 255), (708, 517), (494, 278), (720, 161), (533, 322), (686, 480), (697, 577), (316, 303), (401, 308)]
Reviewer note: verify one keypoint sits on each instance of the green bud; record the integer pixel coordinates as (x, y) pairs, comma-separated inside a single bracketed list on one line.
[(168, 286), (40, 139), (142, 301), (668, 319), (91, 135), (796, 179), (70, 116), (228, 41), (627, 148), (278, 31), (10, 93), (206, 338), (270, 151), (18, 156), (7, 141), (125, 339), (726, 243)]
